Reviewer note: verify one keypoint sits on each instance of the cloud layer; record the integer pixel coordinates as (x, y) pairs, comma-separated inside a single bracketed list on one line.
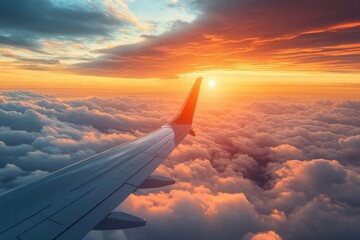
[(24, 26), (114, 38), (244, 35), (275, 169)]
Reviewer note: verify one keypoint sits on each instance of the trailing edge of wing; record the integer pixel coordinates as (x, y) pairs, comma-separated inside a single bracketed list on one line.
[(185, 116)]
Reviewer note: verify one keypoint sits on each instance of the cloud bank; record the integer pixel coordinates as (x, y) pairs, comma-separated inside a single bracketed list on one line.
[(24, 23), (114, 38), (272, 169), (243, 35)]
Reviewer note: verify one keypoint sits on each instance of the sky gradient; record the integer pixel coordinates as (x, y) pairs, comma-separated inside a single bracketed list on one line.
[(276, 156), (177, 39)]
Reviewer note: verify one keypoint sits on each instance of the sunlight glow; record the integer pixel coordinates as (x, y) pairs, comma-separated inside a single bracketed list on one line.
[(212, 84)]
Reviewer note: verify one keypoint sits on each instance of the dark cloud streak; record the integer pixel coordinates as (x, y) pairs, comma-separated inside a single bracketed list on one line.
[(24, 23)]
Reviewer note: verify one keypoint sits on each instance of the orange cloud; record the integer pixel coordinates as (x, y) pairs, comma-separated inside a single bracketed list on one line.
[(236, 35), (270, 235)]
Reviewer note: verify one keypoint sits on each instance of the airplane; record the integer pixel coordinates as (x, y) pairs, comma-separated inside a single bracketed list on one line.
[(81, 197)]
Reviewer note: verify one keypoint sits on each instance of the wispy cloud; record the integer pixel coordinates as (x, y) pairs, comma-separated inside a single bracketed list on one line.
[(34, 20), (277, 35)]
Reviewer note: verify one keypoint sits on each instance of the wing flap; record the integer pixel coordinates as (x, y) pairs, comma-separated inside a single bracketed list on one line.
[(97, 214), (143, 174), (42, 231), (80, 207)]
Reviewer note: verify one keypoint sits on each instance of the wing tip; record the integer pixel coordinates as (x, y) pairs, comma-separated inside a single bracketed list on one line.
[(185, 116)]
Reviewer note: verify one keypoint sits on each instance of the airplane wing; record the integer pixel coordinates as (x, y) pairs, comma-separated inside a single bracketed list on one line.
[(72, 201)]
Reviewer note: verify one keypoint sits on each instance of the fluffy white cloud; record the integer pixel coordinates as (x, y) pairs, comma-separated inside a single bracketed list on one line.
[(261, 170)]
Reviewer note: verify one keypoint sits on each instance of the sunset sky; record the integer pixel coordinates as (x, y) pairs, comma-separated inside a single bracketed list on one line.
[(276, 155), (89, 44)]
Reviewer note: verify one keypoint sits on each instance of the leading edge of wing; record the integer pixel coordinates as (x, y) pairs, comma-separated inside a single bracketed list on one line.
[(185, 116)]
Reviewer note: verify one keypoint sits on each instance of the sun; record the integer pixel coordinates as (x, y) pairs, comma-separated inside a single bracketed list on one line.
[(212, 83)]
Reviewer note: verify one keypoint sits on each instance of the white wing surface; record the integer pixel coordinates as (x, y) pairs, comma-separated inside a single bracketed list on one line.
[(72, 201)]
